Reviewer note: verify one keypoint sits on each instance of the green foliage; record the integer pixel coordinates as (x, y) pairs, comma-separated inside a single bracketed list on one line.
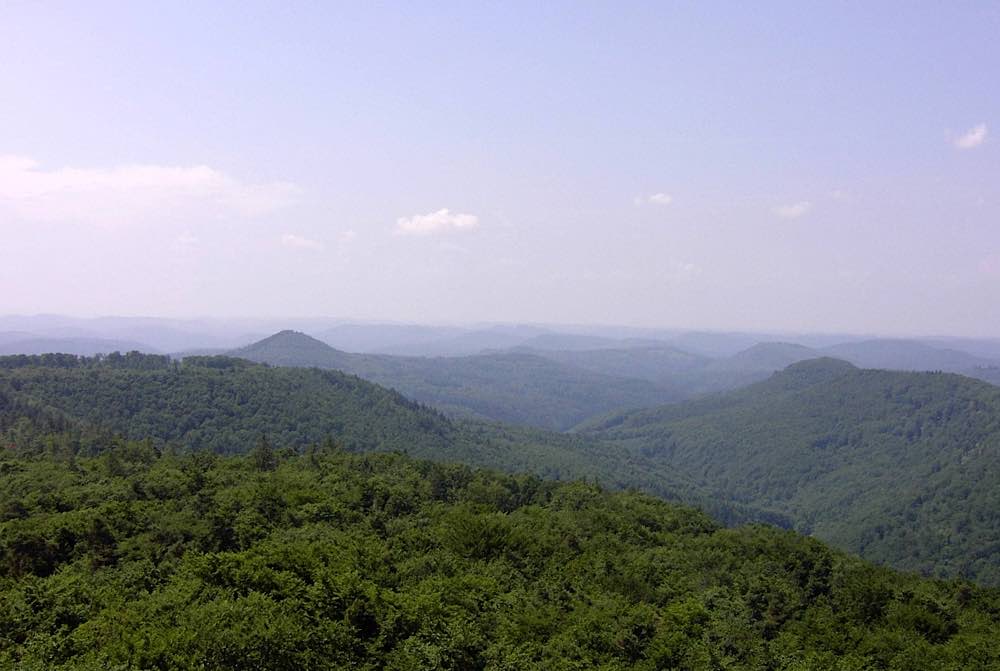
[(898, 467), (333, 560), (219, 403), (901, 468), (225, 405)]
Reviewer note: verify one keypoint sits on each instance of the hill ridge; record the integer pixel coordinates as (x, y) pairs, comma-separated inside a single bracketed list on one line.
[(899, 467)]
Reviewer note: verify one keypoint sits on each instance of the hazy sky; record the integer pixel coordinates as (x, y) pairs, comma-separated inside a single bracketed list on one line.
[(796, 166)]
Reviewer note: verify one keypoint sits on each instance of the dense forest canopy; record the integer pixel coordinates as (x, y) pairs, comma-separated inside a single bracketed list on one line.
[(896, 467), (134, 559), (899, 467), (224, 404)]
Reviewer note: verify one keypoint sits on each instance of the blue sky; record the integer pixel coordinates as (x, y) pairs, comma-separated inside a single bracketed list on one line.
[(790, 166)]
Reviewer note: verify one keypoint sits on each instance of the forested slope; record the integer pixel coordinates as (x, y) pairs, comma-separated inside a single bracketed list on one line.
[(135, 560), (899, 467), (224, 404), (227, 405)]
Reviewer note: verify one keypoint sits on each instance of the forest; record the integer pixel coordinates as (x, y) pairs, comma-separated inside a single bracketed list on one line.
[(895, 467), (224, 404), (320, 558), (898, 467)]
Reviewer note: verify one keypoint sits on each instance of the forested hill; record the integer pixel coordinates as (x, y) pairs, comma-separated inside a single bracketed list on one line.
[(328, 560), (224, 404), (298, 350), (516, 387), (229, 405), (899, 467)]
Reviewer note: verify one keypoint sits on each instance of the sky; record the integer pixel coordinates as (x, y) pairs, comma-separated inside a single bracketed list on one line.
[(714, 165)]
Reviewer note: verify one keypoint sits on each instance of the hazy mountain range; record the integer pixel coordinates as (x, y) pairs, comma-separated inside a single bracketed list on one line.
[(510, 386), (536, 384), (523, 374)]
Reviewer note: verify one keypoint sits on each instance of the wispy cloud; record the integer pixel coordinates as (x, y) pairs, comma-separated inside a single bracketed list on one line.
[(654, 199), (293, 241), (793, 210), (130, 193), (441, 221), (972, 138)]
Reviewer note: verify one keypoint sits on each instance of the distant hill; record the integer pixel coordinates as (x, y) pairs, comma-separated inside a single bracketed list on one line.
[(660, 364), (515, 387), (692, 375), (15, 336), (715, 344), (901, 468), (558, 389), (78, 346), (687, 375), (906, 355), (764, 357), (743, 368), (157, 334), (985, 348), (291, 348), (376, 338), (466, 343), (419, 340), (577, 343)]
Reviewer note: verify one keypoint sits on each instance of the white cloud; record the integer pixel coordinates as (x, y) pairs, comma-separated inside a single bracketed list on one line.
[(436, 222), (794, 210), (972, 138), (348, 237), (653, 199), (299, 242), (130, 194)]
